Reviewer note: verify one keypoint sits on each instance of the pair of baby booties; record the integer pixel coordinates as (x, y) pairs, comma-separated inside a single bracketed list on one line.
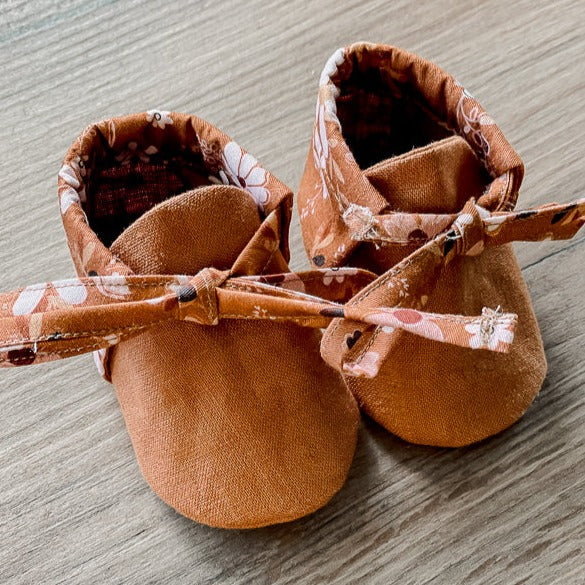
[(242, 413)]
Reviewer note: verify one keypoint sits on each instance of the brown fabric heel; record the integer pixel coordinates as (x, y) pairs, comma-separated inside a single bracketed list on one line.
[(408, 177)]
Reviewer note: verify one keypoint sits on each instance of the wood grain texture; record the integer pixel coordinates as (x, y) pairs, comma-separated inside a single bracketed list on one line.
[(73, 506)]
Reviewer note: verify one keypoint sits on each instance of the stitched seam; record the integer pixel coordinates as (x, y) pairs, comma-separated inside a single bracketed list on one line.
[(452, 318), (77, 350), (79, 334), (360, 297), (270, 257), (460, 319), (159, 284), (507, 195), (330, 187), (124, 335), (389, 240), (278, 318), (363, 352), (54, 353), (88, 284), (209, 309), (260, 289), (298, 278)]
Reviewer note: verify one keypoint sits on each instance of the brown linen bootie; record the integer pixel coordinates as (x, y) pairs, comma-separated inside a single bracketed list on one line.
[(407, 176), (235, 419)]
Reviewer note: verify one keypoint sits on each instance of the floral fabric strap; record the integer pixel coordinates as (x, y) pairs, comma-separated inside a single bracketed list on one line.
[(359, 347), (56, 320)]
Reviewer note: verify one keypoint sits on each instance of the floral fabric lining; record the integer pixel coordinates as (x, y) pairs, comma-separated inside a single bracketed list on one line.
[(119, 168), (335, 195)]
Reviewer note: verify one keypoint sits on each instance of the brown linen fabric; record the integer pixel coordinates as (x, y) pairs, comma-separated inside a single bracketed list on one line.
[(407, 176), (179, 238), (236, 423)]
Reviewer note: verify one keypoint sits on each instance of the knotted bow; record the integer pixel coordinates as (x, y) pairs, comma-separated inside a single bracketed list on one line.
[(359, 348), (69, 317), (64, 318)]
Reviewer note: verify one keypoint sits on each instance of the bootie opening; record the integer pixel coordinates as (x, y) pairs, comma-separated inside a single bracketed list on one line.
[(125, 176), (381, 109), (122, 168), (387, 103), (126, 185), (413, 158)]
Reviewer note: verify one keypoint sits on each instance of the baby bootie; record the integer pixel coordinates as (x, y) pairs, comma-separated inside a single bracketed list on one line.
[(179, 239), (408, 177)]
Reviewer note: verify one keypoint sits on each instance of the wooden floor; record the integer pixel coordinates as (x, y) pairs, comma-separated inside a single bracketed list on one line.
[(73, 506)]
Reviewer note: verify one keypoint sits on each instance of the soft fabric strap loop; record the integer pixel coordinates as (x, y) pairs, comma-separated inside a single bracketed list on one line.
[(395, 299), (64, 318), (56, 320)]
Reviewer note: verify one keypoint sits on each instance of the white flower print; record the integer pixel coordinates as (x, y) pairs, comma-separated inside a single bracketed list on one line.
[(402, 284), (462, 220), (333, 274), (476, 114), (181, 280), (471, 123), (331, 66), (367, 367), (112, 338), (259, 312), (339, 253), (69, 197), (309, 208), (483, 212), (72, 291), (460, 224), (69, 176), (28, 300), (407, 319), (330, 100), (329, 92), (132, 150), (494, 222), (80, 168), (159, 118), (113, 286), (321, 148), (489, 332), (242, 170), (491, 224), (99, 357)]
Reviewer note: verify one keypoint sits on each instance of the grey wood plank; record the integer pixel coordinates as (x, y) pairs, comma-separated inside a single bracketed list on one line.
[(73, 507)]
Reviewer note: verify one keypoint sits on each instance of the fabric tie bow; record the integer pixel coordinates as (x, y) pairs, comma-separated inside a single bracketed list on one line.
[(347, 344), (56, 320)]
